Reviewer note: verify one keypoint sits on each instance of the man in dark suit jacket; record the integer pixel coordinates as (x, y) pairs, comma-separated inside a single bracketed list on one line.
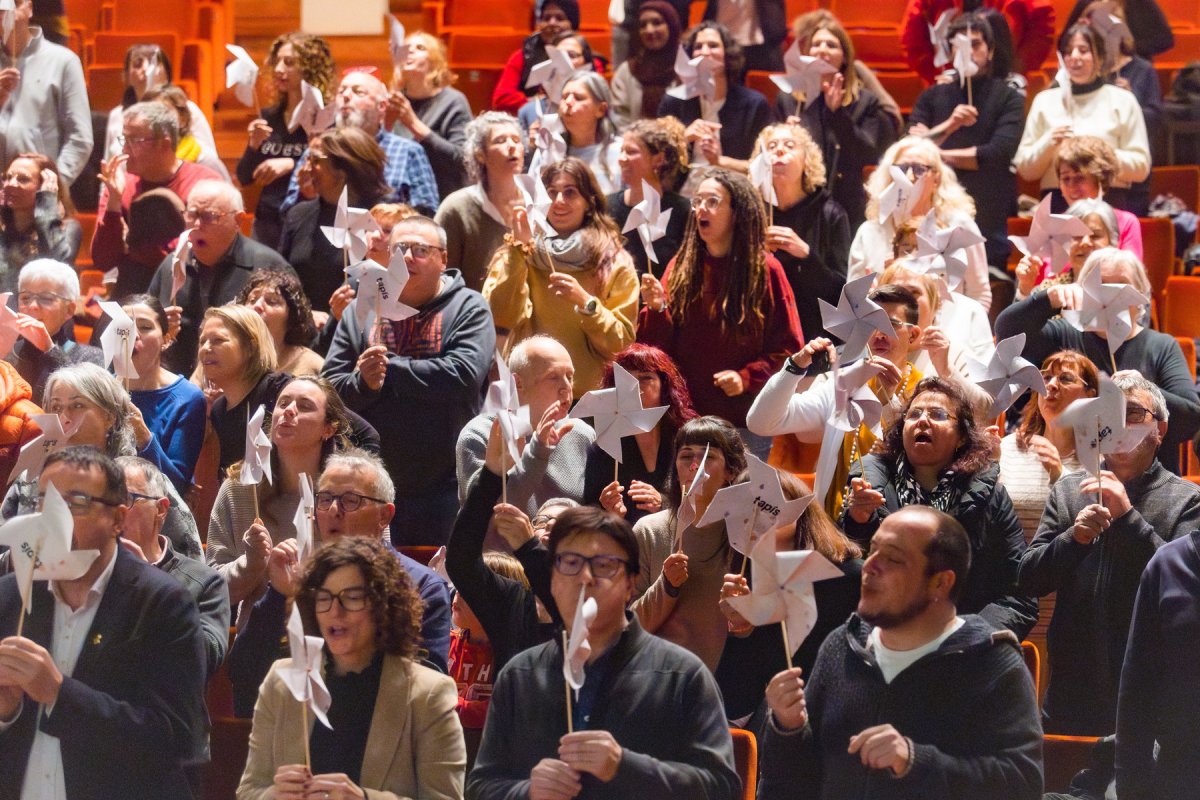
[(220, 265), (103, 695)]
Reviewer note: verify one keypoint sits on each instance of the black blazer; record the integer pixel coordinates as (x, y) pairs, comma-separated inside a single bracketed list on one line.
[(745, 113), (131, 718)]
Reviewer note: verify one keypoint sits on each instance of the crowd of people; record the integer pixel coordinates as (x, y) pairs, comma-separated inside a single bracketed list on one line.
[(284, 441)]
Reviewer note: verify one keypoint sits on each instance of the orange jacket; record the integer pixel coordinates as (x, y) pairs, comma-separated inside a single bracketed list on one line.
[(16, 417)]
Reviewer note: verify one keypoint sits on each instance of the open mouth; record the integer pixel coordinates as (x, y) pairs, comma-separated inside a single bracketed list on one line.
[(923, 437)]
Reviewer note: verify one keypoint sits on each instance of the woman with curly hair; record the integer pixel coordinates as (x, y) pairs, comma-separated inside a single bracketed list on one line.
[(1086, 168), (360, 600), (810, 234), (279, 299), (641, 477), (653, 151), (579, 286), (272, 151), (639, 84), (938, 457), (942, 195), (724, 288)]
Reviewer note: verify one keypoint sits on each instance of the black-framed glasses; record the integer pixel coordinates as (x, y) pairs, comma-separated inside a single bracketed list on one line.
[(603, 567), (917, 170), (419, 250), (352, 598), (348, 501), (80, 503), (709, 203), (1136, 415), (205, 217), (41, 299), (137, 497), (934, 414)]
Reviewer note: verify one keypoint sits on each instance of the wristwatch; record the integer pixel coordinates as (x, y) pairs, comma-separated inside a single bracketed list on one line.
[(588, 308)]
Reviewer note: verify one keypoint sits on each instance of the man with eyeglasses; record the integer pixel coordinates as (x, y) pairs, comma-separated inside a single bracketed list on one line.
[(147, 161), (221, 263), (354, 497), (102, 695), (148, 502), (418, 380), (648, 720), (1094, 542)]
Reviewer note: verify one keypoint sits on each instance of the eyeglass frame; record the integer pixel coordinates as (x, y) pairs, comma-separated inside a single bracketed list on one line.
[(319, 597), (415, 248), (40, 298), (1145, 412), (699, 202), (929, 414), (135, 497), (591, 562), (340, 498), (204, 216), (72, 499), (916, 169), (123, 140)]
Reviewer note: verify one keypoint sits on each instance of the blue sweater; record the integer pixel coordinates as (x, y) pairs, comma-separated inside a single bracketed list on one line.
[(175, 416)]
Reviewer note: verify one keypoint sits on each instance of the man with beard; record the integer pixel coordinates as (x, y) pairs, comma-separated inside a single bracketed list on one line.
[(907, 698)]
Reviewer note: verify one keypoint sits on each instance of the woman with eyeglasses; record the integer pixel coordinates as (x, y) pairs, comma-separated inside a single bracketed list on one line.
[(279, 299), (393, 727), (578, 286), (723, 287), (307, 423), (940, 194), (939, 457), (36, 220)]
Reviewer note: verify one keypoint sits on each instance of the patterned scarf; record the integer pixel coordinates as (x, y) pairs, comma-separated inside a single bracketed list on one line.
[(943, 497)]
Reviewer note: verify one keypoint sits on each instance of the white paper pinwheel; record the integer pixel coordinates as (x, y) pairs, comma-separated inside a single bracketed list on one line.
[(52, 439), (40, 544), (578, 647), (939, 36), (762, 178), (1105, 308), (1063, 78), (617, 412), (154, 75), (753, 508), (179, 260), (257, 463), (549, 143), (946, 249), (1006, 375), (649, 220), (350, 228), (551, 74), (8, 19), (695, 77), (854, 404), (311, 113), (537, 203), (8, 325), (437, 563), (303, 675), (1050, 237), (503, 401), (118, 339), (1099, 425), (855, 317), (964, 65), (782, 589), (803, 74), (396, 45), (379, 289), (241, 74), (302, 520), (1110, 27), (687, 508), (897, 200)]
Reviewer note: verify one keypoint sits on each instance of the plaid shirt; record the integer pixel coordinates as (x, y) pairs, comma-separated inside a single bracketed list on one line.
[(406, 170)]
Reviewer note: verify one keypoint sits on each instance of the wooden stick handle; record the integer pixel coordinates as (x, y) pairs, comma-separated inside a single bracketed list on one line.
[(567, 691)]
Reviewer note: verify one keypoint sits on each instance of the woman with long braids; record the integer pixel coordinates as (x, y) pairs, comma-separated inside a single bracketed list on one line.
[(723, 287)]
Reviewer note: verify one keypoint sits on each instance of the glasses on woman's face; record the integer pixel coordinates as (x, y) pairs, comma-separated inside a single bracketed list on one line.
[(916, 169), (352, 598), (709, 203), (1063, 377), (348, 501), (1136, 415), (601, 567), (934, 414)]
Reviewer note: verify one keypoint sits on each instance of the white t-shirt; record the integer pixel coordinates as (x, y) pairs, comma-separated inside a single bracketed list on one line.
[(893, 662)]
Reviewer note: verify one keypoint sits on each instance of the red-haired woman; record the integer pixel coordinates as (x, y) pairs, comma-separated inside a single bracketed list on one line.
[(646, 457)]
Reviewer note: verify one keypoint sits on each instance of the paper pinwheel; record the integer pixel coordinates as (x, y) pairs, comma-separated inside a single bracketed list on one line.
[(117, 340), (964, 65), (578, 647), (783, 590), (1111, 27), (350, 228), (52, 439), (803, 74), (1063, 78), (762, 178), (550, 146), (303, 675), (503, 401), (311, 113), (241, 75), (946, 249), (854, 404), (40, 544), (1106, 309), (551, 74), (695, 77), (649, 220), (1006, 376), (617, 412), (257, 463), (8, 325), (897, 200), (179, 260), (154, 75), (396, 45), (379, 289), (939, 36), (537, 203), (855, 317), (1099, 425), (302, 520), (687, 509), (1050, 237), (753, 508)]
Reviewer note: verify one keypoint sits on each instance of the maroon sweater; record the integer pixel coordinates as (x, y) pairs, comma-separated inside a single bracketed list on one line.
[(701, 348)]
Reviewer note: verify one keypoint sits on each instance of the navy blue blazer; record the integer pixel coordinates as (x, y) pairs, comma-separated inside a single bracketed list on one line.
[(132, 717), (745, 113)]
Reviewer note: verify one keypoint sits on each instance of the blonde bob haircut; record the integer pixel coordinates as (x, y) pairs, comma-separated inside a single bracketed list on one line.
[(949, 197), (813, 177), (251, 333)]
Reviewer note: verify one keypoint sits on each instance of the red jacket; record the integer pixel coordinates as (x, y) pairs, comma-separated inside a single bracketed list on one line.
[(472, 669), (1031, 21)]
